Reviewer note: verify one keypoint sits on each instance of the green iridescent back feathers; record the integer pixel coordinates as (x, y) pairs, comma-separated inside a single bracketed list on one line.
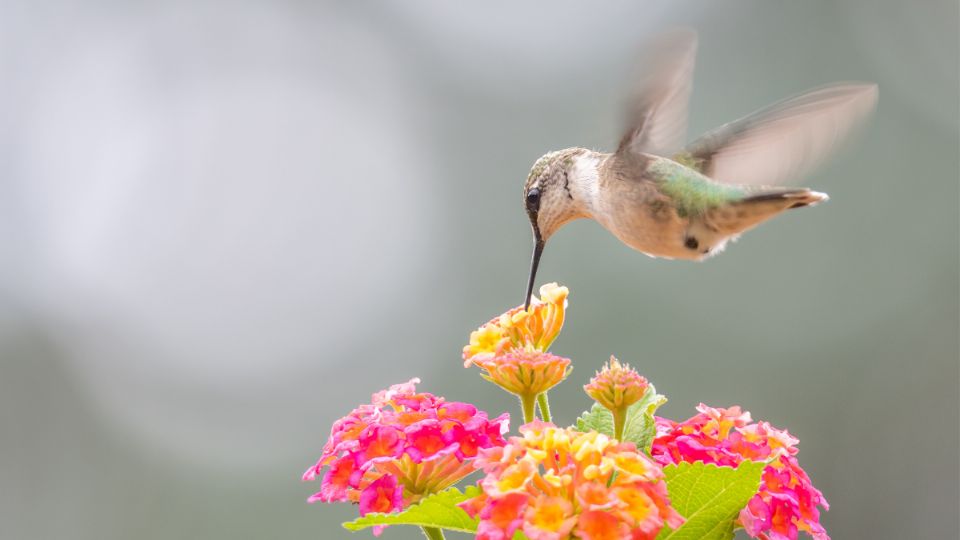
[(692, 193)]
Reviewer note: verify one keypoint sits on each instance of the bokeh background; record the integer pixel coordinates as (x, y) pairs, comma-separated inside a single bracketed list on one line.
[(225, 224)]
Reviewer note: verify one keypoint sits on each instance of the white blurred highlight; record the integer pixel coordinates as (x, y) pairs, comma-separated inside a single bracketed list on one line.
[(201, 213)]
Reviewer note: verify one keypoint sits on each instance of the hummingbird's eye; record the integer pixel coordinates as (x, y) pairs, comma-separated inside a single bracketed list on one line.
[(533, 200)]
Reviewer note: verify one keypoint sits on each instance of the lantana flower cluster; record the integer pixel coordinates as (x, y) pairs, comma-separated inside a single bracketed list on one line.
[(511, 350), (591, 482), (786, 502), (532, 329), (616, 386), (402, 446), (552, 483)]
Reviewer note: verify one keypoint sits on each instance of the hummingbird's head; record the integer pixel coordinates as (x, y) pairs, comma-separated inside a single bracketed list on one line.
[(548, 196)]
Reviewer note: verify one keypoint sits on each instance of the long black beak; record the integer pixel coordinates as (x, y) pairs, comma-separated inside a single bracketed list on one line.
[(534, 263)]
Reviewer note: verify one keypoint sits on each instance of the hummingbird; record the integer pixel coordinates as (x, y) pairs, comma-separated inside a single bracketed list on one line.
[(667, 199)]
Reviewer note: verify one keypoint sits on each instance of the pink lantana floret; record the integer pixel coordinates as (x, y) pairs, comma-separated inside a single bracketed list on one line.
[(499, 518), (425, 441), (383, 495), (786, 503)]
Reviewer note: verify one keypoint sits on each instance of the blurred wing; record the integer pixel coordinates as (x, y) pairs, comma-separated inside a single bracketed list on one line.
[(657, 111), (782, 142)]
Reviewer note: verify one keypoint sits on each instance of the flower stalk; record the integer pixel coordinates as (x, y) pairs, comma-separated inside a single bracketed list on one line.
[(619, 423), (528, 404), (432, 533), (544, 405)]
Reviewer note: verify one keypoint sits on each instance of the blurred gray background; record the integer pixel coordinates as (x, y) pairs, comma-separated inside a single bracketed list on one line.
[(225, 224)]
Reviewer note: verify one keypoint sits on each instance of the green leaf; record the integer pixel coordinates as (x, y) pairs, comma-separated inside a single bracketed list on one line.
[(639, 428), (438, 510), (709, 497)]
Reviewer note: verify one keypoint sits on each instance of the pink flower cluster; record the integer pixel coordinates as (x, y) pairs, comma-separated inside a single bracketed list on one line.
[(401, 447), (787, 501)]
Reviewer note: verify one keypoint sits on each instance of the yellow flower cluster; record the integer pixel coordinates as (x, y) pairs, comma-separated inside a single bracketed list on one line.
[(533, 329), (553, 483)]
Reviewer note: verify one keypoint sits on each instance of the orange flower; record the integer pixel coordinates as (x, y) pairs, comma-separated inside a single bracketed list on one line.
[(518, 329), (525, 373), (560, 482), (616, 386)]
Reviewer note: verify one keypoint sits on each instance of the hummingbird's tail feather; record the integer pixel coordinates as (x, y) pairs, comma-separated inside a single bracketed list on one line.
[(710, 232), (737, 217), (796, 198)]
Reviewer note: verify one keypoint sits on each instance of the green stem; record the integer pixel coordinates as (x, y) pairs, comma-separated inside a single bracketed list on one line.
[(619, 422), (544, 406), (432, 533), (529, 406)]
